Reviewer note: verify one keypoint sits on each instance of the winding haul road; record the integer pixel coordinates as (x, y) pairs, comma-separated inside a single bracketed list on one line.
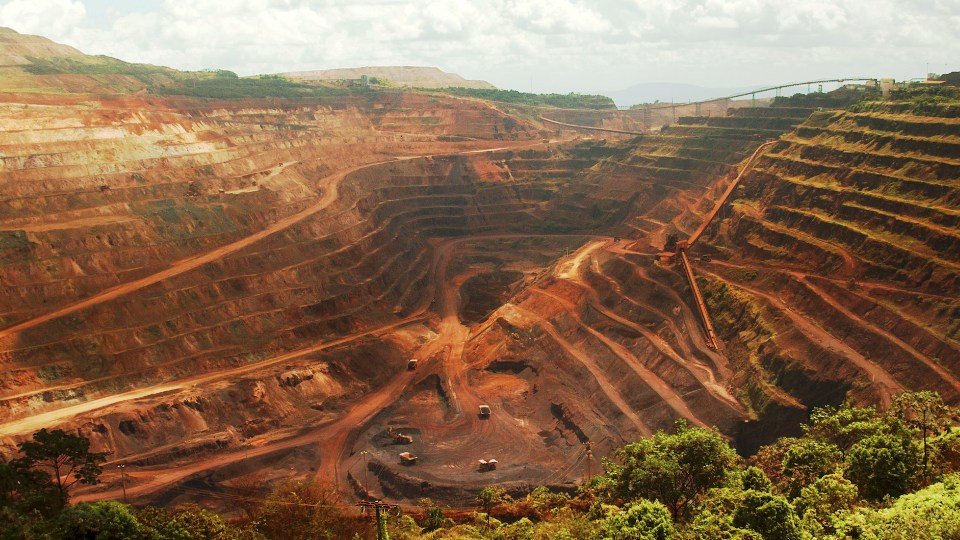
[(329, 188)]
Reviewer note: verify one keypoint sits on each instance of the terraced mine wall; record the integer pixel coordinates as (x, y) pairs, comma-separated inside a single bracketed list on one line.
[(101, 195), (647, 118), (288, 333), (106, 194), (841, 254), (625, 311)]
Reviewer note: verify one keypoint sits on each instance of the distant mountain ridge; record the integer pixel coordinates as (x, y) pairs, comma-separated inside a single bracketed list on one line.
[(412, 76)]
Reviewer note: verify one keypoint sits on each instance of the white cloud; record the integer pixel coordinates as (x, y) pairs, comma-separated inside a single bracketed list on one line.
[(50, 18), (568, 45), (711, 21), (555, 16)]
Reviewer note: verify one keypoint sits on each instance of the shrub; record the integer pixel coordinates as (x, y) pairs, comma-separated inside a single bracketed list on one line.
[(770, 515), (643, 520), (883, 465)]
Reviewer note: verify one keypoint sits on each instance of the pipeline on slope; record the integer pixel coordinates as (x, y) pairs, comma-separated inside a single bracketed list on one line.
[(681, 253), (712, 341), (577, 126), (729, 191)]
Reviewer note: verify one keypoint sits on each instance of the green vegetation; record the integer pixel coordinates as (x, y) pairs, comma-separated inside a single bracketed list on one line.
[(216, 84), (919, 100), (566, 101), (53, 462), (674, 469), (223, 86), (835, 99), (854, 473), (14, 243), (99, 65)]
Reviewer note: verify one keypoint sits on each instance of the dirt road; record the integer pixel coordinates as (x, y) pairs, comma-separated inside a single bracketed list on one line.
[(37, 421), (329, 188)]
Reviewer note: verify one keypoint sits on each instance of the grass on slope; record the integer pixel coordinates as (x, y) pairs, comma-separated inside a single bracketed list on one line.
[(227, 87), (566, 101), (220, 84), (98, 65)]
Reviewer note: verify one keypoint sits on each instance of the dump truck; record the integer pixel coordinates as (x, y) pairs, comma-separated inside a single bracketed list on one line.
[(411, 364), (488, 464), (484, 411), (406, 458)]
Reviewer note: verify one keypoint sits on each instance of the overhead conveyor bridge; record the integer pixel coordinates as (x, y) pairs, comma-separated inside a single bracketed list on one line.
[(682, 246)]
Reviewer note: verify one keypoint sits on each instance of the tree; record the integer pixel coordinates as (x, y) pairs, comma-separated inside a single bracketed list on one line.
[(805, 461), (248, 491), (522, 529), (565, 524), (643, 520), (769, 459), (305, 510), (770, 515), (23, 490), (674, 469), (544, 501), (66, 458), (489, 497), (819, 501), (882, 465), (753, 478), (104, 520), (401, 527), (925, 412), (713, 516), (844, 426), (432, 515), (946, 449), (188, 521), (931, 513)]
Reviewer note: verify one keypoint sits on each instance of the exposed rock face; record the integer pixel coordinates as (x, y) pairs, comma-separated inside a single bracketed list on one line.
[(411, 76), (215, 288), (850, 224), (138, 207)]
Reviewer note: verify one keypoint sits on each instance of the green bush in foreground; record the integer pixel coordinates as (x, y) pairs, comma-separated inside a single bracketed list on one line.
[(854, 473)]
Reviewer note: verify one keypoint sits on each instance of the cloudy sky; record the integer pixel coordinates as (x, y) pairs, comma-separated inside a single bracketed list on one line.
[(543, 45)]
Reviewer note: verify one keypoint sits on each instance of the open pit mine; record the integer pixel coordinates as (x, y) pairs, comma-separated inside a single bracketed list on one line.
[(412, 293)]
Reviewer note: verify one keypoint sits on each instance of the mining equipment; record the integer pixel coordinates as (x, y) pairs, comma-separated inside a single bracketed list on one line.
[(484, 411), (676, 249), (400, 438), (411, 364), (488, 464), (406, 458), (711, 336)]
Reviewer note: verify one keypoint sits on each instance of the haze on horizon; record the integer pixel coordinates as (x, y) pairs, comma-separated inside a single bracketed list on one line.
[(539, 45)]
